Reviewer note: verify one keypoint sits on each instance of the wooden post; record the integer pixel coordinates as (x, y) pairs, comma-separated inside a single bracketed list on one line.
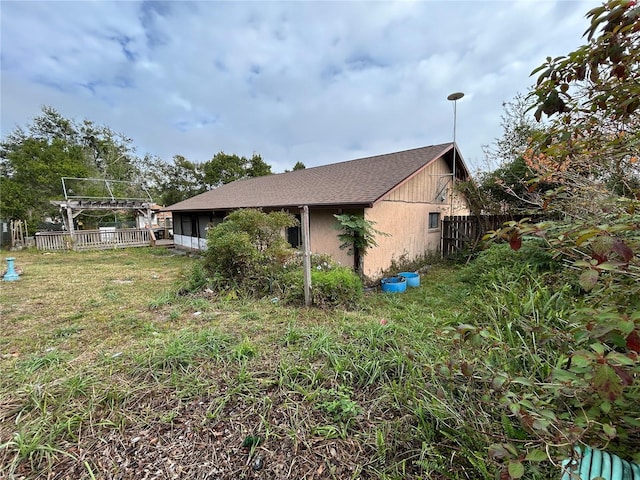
[(152, 235), (70, 225), (306, 259)]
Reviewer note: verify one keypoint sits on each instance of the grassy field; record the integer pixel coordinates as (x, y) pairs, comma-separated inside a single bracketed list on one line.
[(109, 373)]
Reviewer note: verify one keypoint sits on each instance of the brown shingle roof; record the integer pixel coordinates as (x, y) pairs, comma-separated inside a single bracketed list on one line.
[(356, 182)]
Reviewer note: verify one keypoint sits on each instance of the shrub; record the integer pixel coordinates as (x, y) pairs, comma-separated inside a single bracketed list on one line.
[(405, 264), (331, 287), (501, 263), (247, 250), (339, 287), (587, 345), (289, 286)]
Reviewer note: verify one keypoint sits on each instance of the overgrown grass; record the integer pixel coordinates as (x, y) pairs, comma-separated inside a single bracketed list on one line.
[(112, 356)]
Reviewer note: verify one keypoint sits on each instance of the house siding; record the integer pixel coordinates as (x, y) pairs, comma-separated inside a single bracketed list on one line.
[(428, 186), (423, 187), (405, 213), (323, 232), (411, 236)]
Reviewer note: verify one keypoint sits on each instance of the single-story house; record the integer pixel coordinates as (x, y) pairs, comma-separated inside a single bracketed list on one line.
[(406, 194)]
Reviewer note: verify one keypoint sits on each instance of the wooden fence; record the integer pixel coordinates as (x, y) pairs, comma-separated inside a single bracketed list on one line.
[(464, 233), (93, 239)]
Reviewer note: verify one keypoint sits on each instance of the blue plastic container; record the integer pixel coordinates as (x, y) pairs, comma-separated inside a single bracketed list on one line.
[(413, 279), (394, 284)]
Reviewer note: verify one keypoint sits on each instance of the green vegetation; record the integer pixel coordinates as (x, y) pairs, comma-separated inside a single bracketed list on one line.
[(33, 160), (118, 362), (458, 378), (172, 182), (247, 252), (332, 286), (358, 235), (582, 171), (248, 256)]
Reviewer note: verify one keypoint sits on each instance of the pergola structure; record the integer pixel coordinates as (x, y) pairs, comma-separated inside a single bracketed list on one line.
[(101, 194)]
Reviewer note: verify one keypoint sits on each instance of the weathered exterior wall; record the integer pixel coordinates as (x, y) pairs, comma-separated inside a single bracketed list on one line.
[(404, 214), (433, 186), (189, 243), (324, 236), (407, 225)]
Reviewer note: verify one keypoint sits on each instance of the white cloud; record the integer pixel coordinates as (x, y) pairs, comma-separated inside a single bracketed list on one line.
[(316, 82)]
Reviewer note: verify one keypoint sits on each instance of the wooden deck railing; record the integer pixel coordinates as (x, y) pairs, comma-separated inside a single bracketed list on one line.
[(93, 239)]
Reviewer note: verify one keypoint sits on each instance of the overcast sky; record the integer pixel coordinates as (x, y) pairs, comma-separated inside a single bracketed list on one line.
[(317, 82)]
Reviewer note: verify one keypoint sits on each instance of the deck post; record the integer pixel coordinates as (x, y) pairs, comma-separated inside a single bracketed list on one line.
[(152, 235), (70, 224)]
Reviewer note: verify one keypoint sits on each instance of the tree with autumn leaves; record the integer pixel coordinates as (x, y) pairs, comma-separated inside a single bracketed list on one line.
[(592, 99), (589, 149), (590, 146), (586, 144)]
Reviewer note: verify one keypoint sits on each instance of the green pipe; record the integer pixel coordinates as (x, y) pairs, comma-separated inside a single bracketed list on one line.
[(593, 463)]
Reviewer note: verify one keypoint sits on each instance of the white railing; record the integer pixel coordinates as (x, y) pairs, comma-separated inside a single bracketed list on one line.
[(93, 239)]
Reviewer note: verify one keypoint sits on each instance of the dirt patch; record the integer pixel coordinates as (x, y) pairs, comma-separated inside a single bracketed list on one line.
[(187, 441)]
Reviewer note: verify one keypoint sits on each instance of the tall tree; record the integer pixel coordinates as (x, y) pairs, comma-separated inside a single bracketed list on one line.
[(112, 153), (33, 160), (173, 182), (224, 168), (176, 181), (506, 187), (31, 176), (257, 167)]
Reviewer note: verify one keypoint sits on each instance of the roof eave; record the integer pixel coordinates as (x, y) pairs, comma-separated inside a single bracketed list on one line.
[(365, 204)]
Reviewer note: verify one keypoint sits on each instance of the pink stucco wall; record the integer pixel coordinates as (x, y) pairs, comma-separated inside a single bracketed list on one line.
[(404, 214), (324, 236)]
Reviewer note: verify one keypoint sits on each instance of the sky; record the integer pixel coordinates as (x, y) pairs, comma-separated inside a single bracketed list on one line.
[(317, 82)]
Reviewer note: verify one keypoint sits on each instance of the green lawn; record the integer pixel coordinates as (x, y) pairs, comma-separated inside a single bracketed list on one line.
[(108, 373)]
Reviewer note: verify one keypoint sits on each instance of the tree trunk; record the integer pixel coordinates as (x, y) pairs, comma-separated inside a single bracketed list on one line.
[(357, 261)]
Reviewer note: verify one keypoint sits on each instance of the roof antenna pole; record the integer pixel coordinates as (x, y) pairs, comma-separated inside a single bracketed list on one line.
[(454, 97)]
